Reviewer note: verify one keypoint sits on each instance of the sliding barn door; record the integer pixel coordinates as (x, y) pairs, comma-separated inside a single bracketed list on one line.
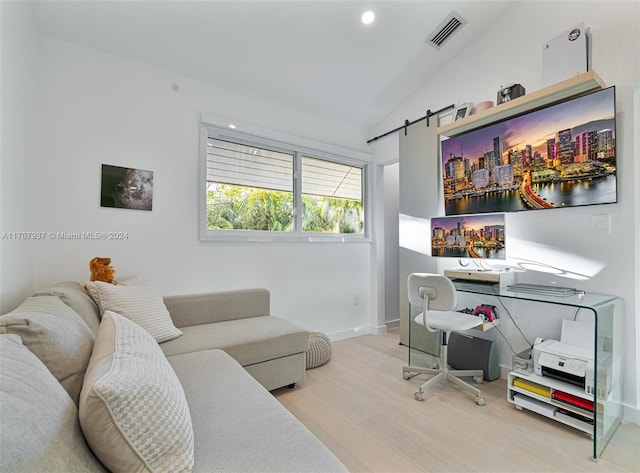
[(419, 200)]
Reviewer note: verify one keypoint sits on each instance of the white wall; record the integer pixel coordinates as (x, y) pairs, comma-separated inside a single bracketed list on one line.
[(385, 254), (96, 108), (19, 73), (391, 241), (511, 52)]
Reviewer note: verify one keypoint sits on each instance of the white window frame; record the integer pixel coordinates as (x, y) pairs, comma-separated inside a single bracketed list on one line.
[(211, 127)]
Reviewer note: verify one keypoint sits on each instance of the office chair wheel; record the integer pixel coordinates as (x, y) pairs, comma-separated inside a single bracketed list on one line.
[(419, 396), (478, 379), (480, 401)]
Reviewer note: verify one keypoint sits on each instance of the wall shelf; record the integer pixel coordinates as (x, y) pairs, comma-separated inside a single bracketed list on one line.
[(487, 325), (577, 85)]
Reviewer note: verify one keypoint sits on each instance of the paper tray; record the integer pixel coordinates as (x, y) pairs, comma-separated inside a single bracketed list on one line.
[(534, 405)]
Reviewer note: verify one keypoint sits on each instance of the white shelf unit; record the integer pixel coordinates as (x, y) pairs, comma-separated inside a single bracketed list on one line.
[(547, 406)]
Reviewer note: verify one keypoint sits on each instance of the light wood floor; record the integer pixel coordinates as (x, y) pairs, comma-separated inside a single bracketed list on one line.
[(359, 405)]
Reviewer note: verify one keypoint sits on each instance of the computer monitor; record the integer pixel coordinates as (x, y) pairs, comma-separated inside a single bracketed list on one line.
[(469, 236)]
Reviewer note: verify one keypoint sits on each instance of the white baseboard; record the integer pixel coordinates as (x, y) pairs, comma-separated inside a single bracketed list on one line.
[(631, 415), (379, 329), (504, 371), (392, 323), (357, 332)]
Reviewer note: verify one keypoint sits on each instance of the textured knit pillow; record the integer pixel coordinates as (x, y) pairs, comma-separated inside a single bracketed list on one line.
[(133, 410), (39, 421), (56, 335), (142, 304)]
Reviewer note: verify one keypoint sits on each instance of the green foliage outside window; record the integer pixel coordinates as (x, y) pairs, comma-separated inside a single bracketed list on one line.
[(240, 208), (329, 215)]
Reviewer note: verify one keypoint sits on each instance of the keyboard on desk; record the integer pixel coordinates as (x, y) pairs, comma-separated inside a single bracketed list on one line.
[(542, 289)]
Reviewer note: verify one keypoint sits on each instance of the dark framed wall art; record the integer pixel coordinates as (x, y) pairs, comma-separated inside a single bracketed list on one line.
[(126, 188)]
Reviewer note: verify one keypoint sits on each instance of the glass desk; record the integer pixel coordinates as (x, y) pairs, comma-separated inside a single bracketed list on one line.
[(608, 313)]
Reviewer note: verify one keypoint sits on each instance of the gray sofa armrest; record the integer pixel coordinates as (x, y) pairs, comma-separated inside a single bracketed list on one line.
[(198, 309)]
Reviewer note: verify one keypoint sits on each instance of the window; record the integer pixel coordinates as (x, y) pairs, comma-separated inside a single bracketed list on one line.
[(255, 187), (248, 188), (331, 197)]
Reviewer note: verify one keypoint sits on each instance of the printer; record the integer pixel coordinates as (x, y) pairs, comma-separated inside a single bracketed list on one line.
[(572, 364)]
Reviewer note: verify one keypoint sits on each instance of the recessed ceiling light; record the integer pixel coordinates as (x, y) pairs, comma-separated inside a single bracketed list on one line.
[(368, 17), (232, 126)]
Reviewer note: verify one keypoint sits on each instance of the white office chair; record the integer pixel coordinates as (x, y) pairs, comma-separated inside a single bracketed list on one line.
[(437, 296)]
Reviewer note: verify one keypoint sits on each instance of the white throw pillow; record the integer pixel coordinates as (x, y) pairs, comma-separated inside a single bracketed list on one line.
[(143, 304), (133, 410)]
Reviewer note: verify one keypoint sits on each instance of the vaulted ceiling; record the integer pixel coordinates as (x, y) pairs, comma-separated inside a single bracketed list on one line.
[(316, 55)]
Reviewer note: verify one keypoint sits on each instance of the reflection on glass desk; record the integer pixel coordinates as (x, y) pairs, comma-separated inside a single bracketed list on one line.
[(608, 312), (579, 299)]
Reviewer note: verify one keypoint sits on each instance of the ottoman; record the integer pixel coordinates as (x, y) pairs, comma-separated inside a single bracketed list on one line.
[(319, 350)]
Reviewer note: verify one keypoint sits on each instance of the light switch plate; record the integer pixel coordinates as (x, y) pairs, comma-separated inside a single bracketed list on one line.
[(601, 224)]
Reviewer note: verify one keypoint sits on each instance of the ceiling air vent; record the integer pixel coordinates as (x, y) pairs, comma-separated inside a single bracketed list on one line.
[(445, 30)]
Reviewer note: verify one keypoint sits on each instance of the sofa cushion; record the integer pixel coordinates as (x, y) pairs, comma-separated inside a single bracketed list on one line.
[(142, 304), (76, 297), (249, 341), (40, 430), (205, 308), (239, 426), (57, 335), (133, 410)]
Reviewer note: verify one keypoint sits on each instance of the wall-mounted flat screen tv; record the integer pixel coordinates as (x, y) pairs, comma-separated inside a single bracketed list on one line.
[(468, 236), (563, 155)]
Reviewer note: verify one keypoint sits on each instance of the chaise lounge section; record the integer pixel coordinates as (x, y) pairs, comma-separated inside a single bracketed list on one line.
[(271, 349), (230, 353)]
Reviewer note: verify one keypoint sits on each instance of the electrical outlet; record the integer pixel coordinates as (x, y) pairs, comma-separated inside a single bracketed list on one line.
[(356, 298)]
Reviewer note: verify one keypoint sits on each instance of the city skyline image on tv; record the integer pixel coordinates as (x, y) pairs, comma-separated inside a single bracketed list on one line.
[(563, 155), (468, 236)]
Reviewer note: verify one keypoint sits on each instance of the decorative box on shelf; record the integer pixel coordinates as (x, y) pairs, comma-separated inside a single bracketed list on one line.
[(522, 362)]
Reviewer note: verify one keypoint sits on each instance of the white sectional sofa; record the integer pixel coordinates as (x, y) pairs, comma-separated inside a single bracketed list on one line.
[(82, 391)]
